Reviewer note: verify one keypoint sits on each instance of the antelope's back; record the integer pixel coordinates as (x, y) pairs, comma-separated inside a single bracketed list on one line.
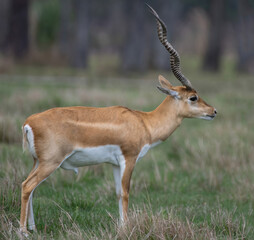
[(60, 130)]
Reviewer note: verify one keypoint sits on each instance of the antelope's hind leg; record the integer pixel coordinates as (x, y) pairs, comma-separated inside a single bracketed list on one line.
[(31, 223), (37, 176)]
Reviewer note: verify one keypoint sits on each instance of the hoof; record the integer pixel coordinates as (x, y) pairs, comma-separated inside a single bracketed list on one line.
[(32, 227), (24, 232)]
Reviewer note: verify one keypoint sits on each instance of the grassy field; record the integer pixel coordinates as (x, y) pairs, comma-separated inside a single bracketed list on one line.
[(199, 184)]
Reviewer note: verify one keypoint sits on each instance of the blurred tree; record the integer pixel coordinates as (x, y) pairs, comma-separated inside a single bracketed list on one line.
[(126, 28), (136, 45), (108, 24), (4, 23), (17, 36), (213, 53), (141, 48), (81, 34), (48, 22), (65, 26), (244, 31)]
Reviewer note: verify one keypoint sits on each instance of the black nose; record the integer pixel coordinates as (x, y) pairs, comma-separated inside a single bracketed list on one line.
[(215, 112)]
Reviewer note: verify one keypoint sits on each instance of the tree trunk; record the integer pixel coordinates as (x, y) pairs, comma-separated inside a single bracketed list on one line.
[(4, 23), (136, 46), (18, 28), (81, 34), (65, 27), (212, 58), (245, 36)]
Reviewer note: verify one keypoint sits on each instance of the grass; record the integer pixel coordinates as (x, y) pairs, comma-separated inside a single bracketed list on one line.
[(199, 184)]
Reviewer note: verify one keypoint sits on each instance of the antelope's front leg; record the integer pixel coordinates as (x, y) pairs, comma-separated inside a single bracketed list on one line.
[(122, 176), (117, 177)]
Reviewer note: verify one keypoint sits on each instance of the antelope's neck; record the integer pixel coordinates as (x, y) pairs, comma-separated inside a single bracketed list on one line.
[(163, 121)]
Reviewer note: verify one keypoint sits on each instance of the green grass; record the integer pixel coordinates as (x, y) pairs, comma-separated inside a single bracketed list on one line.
[(199, 184)]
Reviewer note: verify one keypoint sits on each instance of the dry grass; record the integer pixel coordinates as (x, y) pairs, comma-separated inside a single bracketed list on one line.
[(10, 132), (145, 224), (10, 190), (142, 224), (197, 185), (8, 230)]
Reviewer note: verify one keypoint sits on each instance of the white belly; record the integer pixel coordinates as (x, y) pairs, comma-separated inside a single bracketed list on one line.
[(95, 155), (91, 156)]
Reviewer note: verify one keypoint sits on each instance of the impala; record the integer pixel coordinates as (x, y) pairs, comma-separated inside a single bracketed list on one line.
[(71, 137)]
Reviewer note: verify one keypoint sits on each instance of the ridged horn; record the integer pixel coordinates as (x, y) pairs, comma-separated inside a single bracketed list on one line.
[(174, 56)]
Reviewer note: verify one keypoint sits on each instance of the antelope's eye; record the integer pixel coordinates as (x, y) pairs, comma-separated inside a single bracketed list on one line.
[(193, 98)]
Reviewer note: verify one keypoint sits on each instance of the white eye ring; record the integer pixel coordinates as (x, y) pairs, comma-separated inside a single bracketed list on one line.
[(193, 98)]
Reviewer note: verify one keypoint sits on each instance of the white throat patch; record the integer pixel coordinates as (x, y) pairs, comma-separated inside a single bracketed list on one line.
[(146, 148)]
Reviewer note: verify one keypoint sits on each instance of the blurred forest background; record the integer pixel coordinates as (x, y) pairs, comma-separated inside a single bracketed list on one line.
[(199, 184), (71, 32)]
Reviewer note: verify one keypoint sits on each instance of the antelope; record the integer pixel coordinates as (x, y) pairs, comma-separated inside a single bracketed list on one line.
[(72, 137)]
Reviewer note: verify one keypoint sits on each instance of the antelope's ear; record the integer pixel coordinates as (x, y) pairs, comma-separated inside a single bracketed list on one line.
[(164, 82), (166, 87), (168, 91)]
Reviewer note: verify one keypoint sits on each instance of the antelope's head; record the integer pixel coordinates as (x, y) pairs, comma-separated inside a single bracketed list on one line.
[(190, 105)]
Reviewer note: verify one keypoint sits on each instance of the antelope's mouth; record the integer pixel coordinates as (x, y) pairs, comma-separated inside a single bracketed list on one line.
[(208, 117), (211, 116)]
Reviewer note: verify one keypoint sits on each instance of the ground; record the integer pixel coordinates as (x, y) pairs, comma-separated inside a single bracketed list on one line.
[(197, 185)]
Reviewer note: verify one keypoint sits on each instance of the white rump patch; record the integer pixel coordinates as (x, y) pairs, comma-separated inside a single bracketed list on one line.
[(30, 139), (92, 155)]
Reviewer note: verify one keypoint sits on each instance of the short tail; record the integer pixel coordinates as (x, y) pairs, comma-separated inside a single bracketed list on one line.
[(28, 140), (25, 141)]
